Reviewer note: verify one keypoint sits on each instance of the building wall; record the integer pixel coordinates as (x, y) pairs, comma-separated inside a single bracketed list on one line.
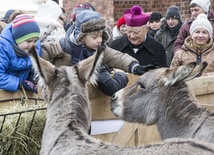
[(113, 9)]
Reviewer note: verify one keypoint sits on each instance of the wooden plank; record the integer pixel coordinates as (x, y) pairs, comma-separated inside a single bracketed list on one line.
[(125, 133), (101, 109), (149, 134), (106, 137), (206, 98), (202, 85)]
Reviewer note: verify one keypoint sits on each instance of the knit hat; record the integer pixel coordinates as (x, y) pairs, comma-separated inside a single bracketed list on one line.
[(7, 15), (173, 11), (79, 8), (24, 27), (135, 16), (120, 22), (204, 4), (47, 9), (201, 22), (89, 21), (155, 16)]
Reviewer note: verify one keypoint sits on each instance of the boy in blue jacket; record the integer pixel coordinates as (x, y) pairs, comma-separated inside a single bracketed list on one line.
[(15, 65)]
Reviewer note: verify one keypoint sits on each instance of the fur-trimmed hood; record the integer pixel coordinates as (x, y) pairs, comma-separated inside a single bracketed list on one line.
[(87, 22), (11, 14)]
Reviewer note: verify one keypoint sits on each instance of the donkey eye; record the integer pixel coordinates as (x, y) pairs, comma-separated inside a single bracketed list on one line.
[(141, 86)]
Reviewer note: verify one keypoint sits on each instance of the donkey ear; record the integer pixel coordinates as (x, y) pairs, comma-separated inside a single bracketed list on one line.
[(197, 71), (87, 69), (184, 72), (43, 69)]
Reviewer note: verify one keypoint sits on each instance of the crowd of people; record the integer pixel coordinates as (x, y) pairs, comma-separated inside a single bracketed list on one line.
[(139, 42)]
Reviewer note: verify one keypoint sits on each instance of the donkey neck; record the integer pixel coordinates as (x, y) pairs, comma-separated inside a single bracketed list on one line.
[(180, 103), (178, 112)]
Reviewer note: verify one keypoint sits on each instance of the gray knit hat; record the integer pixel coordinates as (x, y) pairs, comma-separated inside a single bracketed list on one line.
[(201, 22), (174, 12), (89, 21)]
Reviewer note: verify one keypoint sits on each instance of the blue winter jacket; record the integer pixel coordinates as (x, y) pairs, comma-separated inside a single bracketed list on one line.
[(13, 68)]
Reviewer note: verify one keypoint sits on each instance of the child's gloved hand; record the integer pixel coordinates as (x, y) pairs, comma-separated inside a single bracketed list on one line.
[(28, 86)]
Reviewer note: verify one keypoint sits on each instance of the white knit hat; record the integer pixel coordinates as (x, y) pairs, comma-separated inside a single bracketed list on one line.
[(47, 9), (204, 4), (201, 22)]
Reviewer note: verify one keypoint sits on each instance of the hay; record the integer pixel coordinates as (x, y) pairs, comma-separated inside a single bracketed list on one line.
[(22, 128)]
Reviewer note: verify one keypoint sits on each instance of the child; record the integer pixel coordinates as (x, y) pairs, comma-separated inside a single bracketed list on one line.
[(15, 65), (120, 29), (108, 83), (89, 33)]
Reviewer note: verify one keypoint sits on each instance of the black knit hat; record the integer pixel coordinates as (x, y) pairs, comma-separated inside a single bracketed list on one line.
[(174, 12), (155, 16)]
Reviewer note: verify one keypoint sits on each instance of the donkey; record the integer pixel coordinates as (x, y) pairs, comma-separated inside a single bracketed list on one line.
[(162, 97), (69, 115)]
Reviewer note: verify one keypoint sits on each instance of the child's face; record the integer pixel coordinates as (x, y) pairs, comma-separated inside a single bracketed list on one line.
[(93, 40), (27, 44), (123, 29)]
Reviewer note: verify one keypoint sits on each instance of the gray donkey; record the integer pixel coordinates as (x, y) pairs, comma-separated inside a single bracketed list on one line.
[(69, 115), (162, 97)]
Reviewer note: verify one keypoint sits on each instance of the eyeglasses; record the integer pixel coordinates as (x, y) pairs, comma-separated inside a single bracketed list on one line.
[(136, 32)]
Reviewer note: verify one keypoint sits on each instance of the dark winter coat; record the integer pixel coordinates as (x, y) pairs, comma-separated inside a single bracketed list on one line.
[(152, 32), (148, 50), (167, 37), (184, 31), (108, 83)]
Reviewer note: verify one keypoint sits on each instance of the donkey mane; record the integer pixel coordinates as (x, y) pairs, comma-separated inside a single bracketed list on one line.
[(180, 97)]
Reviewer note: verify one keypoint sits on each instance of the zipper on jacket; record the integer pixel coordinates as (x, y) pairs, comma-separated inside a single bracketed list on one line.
[(198, 58)]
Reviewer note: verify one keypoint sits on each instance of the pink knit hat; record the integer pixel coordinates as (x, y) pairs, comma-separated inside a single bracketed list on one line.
[(135, 16)]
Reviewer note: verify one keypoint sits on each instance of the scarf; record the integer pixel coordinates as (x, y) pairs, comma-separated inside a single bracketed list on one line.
[(197, 47)]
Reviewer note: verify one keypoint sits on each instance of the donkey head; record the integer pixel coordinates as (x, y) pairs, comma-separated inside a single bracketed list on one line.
[(142, 101), (53, 79)]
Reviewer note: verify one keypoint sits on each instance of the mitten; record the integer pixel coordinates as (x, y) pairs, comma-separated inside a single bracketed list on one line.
[(28, 86)]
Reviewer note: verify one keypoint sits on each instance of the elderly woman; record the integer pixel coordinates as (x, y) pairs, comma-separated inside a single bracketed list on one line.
[(198, 46)]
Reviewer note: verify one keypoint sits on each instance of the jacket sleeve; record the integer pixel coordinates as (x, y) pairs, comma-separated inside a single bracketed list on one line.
[(181, 37), (53, 52), (7, 81), (109, 84), (117, 59), (177, 60)]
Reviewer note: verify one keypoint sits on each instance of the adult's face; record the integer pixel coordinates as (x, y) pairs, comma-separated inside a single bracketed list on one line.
[(136, 35), (200, 36), (195, 11), (172, 22), (155, 25)]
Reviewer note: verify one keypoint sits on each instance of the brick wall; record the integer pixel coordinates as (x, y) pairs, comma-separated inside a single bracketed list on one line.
[(113, 9)]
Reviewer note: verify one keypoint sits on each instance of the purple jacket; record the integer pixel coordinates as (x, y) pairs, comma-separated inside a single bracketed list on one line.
[(184, 31)]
